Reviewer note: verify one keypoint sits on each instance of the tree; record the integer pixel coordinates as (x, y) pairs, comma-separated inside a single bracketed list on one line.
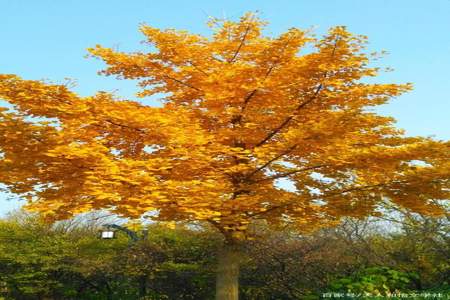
[(242, 113)]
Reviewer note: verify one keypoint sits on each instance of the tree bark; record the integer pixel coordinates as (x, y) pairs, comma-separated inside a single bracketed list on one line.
[(227, 280)]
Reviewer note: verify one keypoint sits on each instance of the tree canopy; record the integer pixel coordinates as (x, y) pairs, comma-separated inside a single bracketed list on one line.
[(241, 113)]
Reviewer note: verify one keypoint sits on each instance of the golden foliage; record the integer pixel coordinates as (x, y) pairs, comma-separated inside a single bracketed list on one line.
[(241, 112)]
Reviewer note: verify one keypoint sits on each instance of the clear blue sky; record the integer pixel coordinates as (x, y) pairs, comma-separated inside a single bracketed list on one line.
[(48, 39)]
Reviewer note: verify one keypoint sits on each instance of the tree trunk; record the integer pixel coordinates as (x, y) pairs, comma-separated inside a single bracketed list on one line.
[(227, 280), (142, 286)]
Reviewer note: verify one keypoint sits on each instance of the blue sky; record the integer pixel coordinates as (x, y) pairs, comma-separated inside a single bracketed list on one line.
[(48, 39)]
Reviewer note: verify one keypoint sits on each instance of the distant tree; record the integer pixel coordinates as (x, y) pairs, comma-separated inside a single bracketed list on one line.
[(40, 261)]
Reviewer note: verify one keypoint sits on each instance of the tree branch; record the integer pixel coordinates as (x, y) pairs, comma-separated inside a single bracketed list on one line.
[(352, 189), (124, 126), (288, 119), (291, 173), (183, 83), (302, 105), (197, 68), (252, 93), (241, 44), (270, 161)]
